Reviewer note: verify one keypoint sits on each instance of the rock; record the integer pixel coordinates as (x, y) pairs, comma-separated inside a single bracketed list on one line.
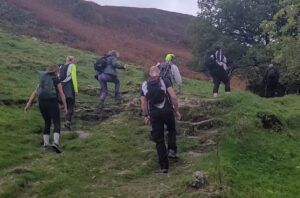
[(21, 170), (270, 121), (200, 180), (129, 83)]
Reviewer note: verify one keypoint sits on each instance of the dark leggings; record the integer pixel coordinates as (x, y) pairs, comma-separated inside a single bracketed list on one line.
[(50, 112), (159, 118), (218, 77), (70, 107)]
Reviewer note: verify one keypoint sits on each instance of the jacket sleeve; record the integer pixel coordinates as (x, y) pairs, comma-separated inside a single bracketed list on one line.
[(176, 75), (74, 78), (115, 64)]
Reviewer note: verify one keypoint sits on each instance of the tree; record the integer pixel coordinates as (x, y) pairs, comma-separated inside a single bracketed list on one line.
[(283, 30), (239, 19)]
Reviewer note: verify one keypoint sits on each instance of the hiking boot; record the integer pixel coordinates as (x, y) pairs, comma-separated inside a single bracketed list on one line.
[(101, 105), (56, 148), (162, 170), (47, 146), (68, 125), (119, 99), (172, 155)]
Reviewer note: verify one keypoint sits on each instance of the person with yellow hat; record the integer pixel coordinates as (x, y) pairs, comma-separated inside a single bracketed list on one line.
[(169, 70)]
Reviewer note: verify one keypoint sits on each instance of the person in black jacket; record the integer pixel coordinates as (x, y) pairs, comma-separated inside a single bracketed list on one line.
[(160, 107), (271, 79), (218, 74)]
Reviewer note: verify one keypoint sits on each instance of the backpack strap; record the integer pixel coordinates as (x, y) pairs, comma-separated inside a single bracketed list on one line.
[(68, 75)]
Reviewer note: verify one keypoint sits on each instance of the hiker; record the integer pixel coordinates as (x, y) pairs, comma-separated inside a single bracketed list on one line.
[(218, 74), (109, 74), (68, 79), (170, 71), (48, 91), (159, 104), (271, 79), (220, 58)]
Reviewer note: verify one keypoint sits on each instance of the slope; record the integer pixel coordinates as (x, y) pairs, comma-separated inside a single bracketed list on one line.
[(142, 35), (112, 156)]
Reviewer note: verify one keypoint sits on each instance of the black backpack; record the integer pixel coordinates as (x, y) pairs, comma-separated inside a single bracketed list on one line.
[(101, 64), (156, 91), (272, 73), (165, 70)]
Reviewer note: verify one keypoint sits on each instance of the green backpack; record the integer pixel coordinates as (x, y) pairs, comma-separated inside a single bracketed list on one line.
[(46, 88)]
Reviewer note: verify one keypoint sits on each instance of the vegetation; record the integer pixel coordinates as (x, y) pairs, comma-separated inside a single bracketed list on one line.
[(284, 31), (116, 157), (251, 33)]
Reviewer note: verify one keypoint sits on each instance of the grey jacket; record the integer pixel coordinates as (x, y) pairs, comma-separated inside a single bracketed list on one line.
[(112, 66), (176, 77)]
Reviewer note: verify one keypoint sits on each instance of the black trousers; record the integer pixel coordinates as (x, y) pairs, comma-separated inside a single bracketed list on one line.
[(271, 87), (50, 111), (218, 77), (70, 106), (158, 119)]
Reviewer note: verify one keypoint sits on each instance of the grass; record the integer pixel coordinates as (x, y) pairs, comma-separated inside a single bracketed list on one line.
[(117, 159)]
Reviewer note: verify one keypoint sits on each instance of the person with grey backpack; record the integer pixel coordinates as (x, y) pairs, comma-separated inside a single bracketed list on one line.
[(170, 71), (48, 92), (106, 73)]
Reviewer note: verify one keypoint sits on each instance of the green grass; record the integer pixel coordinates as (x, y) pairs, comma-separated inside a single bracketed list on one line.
[(117, 159), (257, 162)]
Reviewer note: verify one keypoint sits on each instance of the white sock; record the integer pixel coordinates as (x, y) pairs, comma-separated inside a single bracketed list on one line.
[(46, 140), (56, 138)]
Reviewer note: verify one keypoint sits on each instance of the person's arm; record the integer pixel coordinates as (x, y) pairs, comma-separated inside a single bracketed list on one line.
[(31, 99), (115, 64), (74, 77), (144, 107), (173, 98), (62, 96)]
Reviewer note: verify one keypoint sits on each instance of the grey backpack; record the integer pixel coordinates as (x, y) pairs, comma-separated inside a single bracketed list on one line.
[(46, 88)]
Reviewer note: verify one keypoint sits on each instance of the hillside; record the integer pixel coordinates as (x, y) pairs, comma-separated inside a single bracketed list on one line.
[(141, 35), (109, 153)]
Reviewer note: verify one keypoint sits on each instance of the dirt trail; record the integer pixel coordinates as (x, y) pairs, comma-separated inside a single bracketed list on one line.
[(198, 125)]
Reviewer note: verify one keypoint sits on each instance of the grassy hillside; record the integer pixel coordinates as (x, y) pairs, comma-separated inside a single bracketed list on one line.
[(142, 35), (115, 158)]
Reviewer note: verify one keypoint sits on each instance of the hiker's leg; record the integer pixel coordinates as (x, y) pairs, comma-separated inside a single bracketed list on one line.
[(117, 87), (226, 82), (55, 117), (158, 138), (268, 90), (47, 119), (46, 116), (273, 88), (103, 79), (70, 106), (216, 82), (170, 122)]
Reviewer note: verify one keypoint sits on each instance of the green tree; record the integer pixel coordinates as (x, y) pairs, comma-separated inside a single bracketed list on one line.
[(239, 19), (283, 30)]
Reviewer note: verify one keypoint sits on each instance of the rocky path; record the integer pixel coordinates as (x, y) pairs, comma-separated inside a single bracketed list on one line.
[(198, 125)]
